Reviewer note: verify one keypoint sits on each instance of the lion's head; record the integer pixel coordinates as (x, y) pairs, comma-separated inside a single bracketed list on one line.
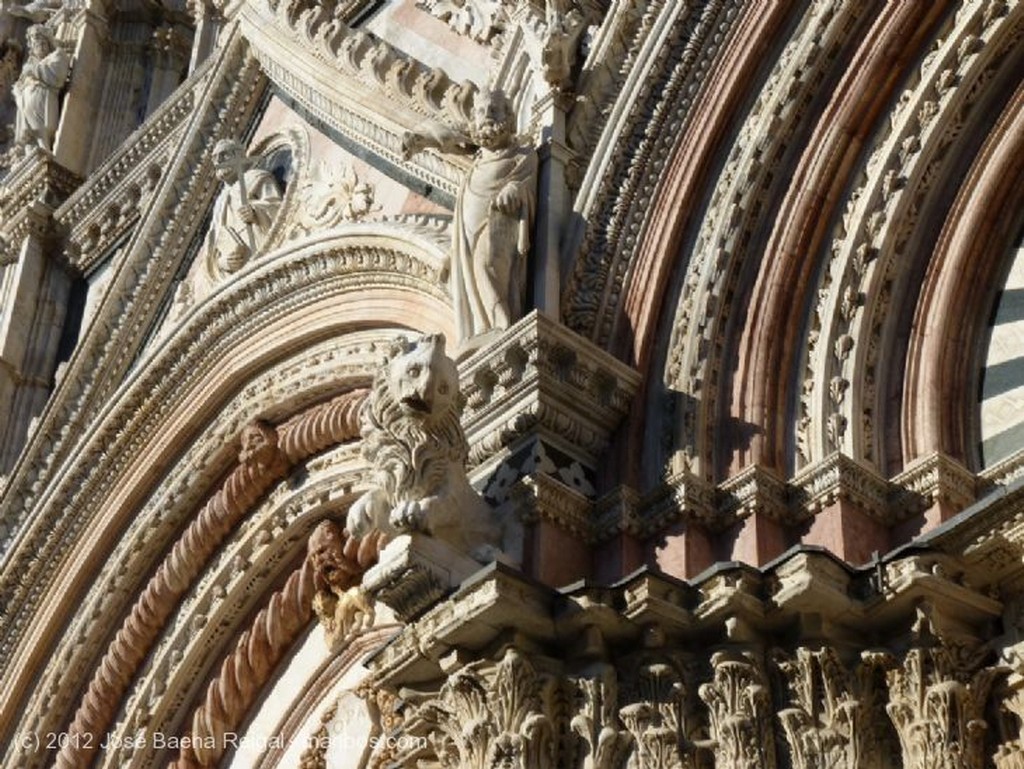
[(423, 381), (415, 404)]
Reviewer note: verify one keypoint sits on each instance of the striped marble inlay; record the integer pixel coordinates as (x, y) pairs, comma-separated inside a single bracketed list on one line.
[(1002, 385)]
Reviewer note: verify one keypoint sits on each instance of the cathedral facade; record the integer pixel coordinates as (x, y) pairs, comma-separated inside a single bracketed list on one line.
[(569, 384)]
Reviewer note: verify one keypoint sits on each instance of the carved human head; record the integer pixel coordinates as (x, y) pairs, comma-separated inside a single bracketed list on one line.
[(228, 158), (326, 547), (493, 119), (40, 40)]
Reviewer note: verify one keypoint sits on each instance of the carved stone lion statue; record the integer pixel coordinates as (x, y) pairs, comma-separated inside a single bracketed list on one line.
[(414, 442)]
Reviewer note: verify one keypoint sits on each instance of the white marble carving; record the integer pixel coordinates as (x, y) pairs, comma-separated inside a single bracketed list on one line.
[(417, 450), (493, 218), (36, 91), (479, 19), (243, 212), (552, 42), (332, 195)]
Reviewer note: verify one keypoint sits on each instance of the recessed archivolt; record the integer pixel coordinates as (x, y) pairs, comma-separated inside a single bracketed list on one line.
[(329, 366), (739, 204), (874, 246), (681, 43), (952, 313), (261, 554), (783, 290), (289, 301)]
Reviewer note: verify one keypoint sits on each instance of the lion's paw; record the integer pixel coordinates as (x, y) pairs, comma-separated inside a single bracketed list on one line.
[(408, 515), (359, 520)]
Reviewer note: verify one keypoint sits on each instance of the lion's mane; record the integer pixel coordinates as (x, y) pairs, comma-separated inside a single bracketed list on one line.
[(410, 455)]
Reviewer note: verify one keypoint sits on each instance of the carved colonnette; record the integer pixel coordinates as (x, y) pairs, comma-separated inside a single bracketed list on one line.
[(35, 283), (266, 456)]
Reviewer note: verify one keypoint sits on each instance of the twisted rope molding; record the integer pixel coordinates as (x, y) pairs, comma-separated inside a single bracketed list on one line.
[(257, 652), (248, 667), (267, 455)]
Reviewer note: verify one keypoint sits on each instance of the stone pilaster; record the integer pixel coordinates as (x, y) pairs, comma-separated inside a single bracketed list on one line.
[(33, 295), (81, 107), (170, 47)]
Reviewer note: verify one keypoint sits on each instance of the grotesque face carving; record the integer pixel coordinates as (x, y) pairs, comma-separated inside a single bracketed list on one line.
[(423, 380)]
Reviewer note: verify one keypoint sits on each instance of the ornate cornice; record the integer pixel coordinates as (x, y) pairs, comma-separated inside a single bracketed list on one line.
[(361, 86), (840, 669), (839, 477), (539, 376), (31, 191)]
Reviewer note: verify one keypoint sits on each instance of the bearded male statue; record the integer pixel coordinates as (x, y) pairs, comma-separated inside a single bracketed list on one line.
[(493, 217), (36, 91)]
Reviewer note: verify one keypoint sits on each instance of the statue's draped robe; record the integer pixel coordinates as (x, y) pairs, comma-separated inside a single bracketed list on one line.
[(35, 94), (489, 249), (228, 234)]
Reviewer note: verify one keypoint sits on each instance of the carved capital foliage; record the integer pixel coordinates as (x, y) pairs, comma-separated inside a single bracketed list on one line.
[(655, 720), (740, 712), (606, 743), (831, 718), (1010, 755), (937, 698), (489, 715)]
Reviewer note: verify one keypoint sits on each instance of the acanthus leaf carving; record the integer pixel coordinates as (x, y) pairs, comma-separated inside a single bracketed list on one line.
[(656, 720), (937, 700), (831, 718), (739, 711), (596, 723), (331, 196), (489, 716)]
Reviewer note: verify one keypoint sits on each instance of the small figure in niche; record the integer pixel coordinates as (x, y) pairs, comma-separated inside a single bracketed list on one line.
[(243, 212)]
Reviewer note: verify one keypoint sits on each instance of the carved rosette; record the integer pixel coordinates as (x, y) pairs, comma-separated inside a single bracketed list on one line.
[(740, 713)]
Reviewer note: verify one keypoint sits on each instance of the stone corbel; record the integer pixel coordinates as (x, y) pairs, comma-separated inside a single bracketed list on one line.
[(540, 379)]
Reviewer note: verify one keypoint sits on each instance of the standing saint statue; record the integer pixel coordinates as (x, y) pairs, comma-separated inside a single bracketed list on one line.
[(493, 217), (243, 212), (35, 92)]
